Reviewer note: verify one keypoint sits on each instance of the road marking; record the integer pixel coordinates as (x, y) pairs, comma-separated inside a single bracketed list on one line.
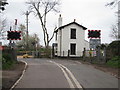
[(62, 67), (78, 62), (68, 79), (21, 75), (72, 76)]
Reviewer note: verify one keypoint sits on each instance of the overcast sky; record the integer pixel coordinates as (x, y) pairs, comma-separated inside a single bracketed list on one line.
[(92, 14)]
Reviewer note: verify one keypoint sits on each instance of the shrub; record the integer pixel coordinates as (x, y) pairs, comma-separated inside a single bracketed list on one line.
[(7, 62), (45, 52), (114, 48), (6, 58)]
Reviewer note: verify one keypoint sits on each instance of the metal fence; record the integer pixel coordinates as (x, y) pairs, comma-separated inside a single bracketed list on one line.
[(68, 54), (97, 55)]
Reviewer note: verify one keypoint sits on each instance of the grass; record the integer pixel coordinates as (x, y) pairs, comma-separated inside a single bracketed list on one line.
[(114, 62), (8, 65)]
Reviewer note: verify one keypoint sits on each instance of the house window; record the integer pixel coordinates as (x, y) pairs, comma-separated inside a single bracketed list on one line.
[(73, 33), (73, 49)]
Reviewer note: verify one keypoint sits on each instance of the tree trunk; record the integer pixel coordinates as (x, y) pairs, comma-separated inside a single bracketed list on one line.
[(47, 53), (47, 6)]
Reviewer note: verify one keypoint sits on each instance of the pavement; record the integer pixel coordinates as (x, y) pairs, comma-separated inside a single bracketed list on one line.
[(10, 76), (47, 73), (0, 79)]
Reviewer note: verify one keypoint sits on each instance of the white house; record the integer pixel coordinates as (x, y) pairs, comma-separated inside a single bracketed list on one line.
[(69, 39)]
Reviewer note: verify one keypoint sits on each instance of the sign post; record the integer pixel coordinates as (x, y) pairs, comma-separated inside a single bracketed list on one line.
[(95, 41)]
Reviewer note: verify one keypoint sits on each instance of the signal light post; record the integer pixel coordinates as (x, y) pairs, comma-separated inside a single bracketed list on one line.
[(13, 35), (95, 38)]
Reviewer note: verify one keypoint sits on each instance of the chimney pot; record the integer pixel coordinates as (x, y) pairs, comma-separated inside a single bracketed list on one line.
[(74, 20), (60, 21), (60, 15)]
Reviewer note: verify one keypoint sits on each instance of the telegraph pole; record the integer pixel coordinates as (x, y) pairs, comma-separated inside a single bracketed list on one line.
[(27, 13), (10, 42)]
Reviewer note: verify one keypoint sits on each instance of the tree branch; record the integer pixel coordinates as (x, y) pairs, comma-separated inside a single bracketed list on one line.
[(42, 24), (47, 6), (53, 34)]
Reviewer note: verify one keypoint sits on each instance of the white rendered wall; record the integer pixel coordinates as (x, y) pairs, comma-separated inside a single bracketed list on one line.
[(79, 41)]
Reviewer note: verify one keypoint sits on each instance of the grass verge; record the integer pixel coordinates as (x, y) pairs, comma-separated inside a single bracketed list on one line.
[(114, 62)]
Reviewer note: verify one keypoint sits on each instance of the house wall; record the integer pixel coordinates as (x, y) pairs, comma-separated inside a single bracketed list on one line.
[(64, 40), (58, 41), (87, 45)]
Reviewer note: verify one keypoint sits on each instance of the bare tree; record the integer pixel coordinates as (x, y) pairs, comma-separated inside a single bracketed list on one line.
[(113, 3), (33, 40), (115, 28), (41, 8), (3, 25), (114, 33), (22, 28)]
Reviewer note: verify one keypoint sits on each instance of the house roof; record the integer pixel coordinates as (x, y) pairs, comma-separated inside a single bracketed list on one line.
[(84, 28)]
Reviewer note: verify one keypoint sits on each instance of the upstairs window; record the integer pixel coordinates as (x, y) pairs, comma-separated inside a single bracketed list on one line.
[(73, 33)]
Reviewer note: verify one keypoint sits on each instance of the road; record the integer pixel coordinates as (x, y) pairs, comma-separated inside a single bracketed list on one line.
[(56, 73)]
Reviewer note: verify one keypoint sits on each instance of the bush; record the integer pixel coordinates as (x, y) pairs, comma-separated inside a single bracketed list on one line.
[(6, 57), (114, 62), (7, 62), (45, 52), (114, 48)]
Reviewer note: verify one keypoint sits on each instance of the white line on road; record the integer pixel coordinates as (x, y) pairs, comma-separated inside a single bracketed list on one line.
[(78, 62), (74, 79), (62, 67), (68, 79)]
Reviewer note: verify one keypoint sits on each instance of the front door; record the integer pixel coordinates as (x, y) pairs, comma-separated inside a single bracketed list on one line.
[(73, 49)]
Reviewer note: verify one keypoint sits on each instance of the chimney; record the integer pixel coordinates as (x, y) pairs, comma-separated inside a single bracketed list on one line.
[(59, 21), (74, 20)]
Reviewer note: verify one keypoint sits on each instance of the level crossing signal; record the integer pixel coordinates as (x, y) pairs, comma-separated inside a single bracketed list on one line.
[(13, 35), (94, 33)]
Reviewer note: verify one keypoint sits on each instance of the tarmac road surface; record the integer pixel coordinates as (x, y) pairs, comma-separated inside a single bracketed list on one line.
[(51, 73)]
